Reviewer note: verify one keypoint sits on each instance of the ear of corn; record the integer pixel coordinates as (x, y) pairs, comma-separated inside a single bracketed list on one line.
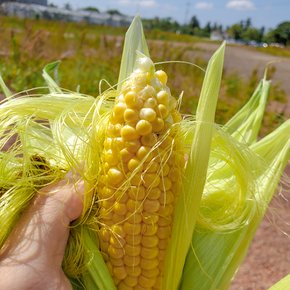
[(140, 179)]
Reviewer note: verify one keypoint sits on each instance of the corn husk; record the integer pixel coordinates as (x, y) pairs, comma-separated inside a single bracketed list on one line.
[(282, 284)]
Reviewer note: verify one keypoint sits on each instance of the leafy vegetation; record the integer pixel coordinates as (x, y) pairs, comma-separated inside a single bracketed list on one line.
[(90, 54)]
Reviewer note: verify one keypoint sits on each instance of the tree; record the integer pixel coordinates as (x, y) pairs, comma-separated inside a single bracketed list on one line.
[(194, 22), (114, 12), (91, 9), (282, 33), (235, 31), (251, 33), (67, 6), (207, 28)]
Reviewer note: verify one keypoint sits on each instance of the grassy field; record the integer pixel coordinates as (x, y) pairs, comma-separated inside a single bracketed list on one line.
[(90, 54)]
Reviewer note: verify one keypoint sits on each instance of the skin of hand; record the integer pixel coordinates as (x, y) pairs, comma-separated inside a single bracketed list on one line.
[(31, 258)]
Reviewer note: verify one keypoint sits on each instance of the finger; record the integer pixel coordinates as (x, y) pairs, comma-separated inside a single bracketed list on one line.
[(41, 235)]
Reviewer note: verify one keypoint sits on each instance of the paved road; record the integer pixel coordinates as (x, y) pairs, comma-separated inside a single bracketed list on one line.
[(245, 60)]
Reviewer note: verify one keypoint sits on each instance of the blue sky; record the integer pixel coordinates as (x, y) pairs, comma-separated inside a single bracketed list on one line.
[(266, 13)]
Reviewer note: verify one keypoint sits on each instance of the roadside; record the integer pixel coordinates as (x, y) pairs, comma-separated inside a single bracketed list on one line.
[(244, 61)]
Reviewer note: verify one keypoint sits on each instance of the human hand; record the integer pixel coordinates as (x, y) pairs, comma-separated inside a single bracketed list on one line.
[(32, 256)]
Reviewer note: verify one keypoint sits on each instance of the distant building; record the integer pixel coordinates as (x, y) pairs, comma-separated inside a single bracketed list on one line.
[(39, 2), (216, 35), (36, 11)]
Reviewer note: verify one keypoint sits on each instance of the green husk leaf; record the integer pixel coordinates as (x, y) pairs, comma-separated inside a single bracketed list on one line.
[(134, 41), (52, 84), (216, 255), (195, 174), (244, 126), (98, 274), (282, 284), (4, 88)]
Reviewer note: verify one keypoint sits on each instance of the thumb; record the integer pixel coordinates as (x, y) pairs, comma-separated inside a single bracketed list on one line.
[(39, 239)]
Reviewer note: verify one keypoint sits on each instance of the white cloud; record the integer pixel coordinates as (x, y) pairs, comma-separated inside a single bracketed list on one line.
[(125, 2), (148, 3), (241, 5), (203, 5), (141, 3)]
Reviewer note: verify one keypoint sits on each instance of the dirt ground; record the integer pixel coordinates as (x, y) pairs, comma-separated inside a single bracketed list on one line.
[(244, 60), (268, 259)]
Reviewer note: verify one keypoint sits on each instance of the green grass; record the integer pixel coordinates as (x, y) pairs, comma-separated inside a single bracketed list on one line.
[(90, 54)]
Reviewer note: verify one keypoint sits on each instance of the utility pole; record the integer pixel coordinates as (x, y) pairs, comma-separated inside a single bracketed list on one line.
[(187, 8)]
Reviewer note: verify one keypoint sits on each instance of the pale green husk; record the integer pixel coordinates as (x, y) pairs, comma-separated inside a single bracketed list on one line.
[(216, 254), (228, 182), (245, 125), (282, 284), (195, 173)]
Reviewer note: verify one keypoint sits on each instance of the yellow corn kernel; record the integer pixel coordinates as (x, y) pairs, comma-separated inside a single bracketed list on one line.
[(119, 272), (115, 253), (136, 179), (116, 262), (147, 114), (133, 146), (150, 103), (115, 176), (125, 155), (151, 180), (151, 273), (133, 239), (137, 193), (157, 125), (133, 229), (149, 241), (149, 253), (111, 157), (149, 218), (164, 221), (143, 127), (149, 139), (133, 218), (144, 152), (116, 241), (164, 232), (134, 163), (162, 76), (163, 98), (131, 115), (132, 250), (133, 271), (163, 111), (154, 193), (131, 281), (149, 264), (151, 206), (149, 229), (134, 206), (131, 261), (129, 133), (145, 282)]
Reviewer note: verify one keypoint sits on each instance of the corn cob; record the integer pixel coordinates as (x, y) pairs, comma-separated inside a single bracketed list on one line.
[(142, 164)]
